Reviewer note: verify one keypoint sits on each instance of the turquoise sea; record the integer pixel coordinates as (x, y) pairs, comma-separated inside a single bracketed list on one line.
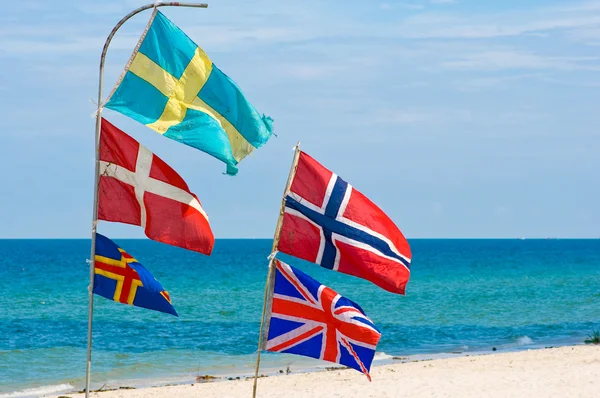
[(464, 296)]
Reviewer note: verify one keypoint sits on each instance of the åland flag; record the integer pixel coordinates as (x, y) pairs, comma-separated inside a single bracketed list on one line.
[(119, 277), (310, 319), (329, 222), (171, 86)]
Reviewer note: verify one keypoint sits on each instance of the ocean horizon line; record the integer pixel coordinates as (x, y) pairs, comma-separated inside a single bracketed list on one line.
[(270, 238)]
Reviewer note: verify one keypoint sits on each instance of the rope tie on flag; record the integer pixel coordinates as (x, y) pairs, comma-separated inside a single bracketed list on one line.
[(272, 255), (98, 109)]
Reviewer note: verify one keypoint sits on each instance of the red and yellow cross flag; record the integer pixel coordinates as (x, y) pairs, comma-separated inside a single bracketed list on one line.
[(121, 278)]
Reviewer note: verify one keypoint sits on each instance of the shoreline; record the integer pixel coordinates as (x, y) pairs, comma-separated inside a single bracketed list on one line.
[(276, 366), (539, 372)]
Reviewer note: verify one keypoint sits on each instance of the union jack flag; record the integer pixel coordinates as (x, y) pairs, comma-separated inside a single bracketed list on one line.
[(331, 223), (310, 319)]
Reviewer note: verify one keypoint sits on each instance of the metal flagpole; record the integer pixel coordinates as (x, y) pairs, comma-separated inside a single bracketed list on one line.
[(97, 168), (272, 260)]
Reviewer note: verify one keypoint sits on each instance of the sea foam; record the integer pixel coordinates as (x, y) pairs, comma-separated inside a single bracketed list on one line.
[(380, 356), (39, 391)]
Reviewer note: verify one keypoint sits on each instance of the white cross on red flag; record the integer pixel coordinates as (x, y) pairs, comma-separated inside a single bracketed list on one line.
[(139, 188)]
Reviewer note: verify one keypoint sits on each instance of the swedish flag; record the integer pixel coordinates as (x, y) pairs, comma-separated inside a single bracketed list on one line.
[(171, 86)]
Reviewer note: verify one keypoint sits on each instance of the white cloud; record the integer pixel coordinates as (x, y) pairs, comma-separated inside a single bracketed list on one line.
[(449, 28), (589, 36), (223, 28), (430, 116), (309, 71), (474, 84), (401, 5), (507, 59), (35, 5), (100, 8), (445, 119), (74, 45), (500, 24), (231, 37)]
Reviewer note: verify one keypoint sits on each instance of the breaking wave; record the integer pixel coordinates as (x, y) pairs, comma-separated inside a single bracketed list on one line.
[(380, 356), (39, 391)]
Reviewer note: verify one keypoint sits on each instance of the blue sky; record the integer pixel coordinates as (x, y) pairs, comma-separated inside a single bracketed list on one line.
[(462, 118)]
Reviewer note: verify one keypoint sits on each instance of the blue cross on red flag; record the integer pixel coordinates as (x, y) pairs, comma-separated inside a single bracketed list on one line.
[(310, 319), (329, 222)]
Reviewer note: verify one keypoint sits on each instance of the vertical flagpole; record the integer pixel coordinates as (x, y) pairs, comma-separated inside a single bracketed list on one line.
[(272, 259), (97, 171)]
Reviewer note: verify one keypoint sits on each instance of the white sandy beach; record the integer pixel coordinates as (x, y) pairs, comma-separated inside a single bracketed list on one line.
[(552, 372)]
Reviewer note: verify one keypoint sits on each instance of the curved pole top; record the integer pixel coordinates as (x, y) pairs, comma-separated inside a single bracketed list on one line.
[(137, 11)]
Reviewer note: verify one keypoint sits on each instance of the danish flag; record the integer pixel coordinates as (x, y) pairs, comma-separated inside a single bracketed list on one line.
[(310, 319), (139, 188), (328, 222)]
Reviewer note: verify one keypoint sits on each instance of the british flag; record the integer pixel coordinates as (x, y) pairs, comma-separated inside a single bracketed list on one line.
[(310, 319), (329, 222)]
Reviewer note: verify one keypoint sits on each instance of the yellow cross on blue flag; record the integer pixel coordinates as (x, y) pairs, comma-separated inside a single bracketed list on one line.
[(121, 278), (171, 86)]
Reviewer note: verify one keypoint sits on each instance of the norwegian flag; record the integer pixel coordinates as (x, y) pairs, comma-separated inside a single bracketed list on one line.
[(139, 188), (329, 222), (310, 319)]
